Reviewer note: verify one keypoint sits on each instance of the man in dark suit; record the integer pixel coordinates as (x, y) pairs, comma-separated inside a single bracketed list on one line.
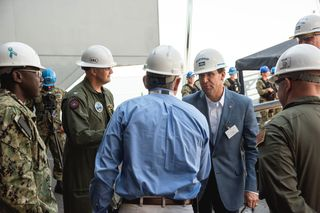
[(233, 126)]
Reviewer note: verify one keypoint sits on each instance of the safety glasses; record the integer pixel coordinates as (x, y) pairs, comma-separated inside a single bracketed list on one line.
[(37, 72), (278, 81)]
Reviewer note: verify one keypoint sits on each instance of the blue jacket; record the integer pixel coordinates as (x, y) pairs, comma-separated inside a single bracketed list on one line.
[(234, 159)]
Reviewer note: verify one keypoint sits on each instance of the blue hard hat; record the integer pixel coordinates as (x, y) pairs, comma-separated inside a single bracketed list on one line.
[(49, 77), (190, 74), (273, 70), (232, 71), (264, 69)]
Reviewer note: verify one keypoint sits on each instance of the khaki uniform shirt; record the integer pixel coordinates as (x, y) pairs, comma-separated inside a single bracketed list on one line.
[(25, 183), (289, 162)]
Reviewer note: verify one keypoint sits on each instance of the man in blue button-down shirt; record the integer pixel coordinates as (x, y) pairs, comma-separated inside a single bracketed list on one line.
[(162, 143)]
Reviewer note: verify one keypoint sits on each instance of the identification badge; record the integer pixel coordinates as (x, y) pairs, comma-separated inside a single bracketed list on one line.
[(231, 131), (98, 106)]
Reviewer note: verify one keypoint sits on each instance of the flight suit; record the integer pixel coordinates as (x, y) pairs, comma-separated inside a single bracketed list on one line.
[(289, 158), (85, 115)]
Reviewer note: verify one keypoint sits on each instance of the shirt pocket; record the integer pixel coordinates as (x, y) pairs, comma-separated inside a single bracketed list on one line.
[(94, 115)]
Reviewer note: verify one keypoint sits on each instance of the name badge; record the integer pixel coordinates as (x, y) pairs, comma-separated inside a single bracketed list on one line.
[(231, 131)]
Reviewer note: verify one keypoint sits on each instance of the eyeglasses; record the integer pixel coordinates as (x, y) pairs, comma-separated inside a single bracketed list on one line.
[(308, 37), (277, 82), (37, 72)]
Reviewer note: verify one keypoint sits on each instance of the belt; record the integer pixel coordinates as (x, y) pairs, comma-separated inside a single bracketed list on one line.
[(157, 201)]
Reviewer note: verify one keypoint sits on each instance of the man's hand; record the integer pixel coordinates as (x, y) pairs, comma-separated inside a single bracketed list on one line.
[(270, 90), (251, 199)]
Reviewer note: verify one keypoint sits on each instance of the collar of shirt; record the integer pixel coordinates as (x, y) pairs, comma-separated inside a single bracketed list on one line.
[(161, 91), (215, 111), (213, 104)]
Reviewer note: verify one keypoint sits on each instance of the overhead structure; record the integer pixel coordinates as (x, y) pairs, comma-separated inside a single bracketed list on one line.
[(61, 30), (268, 57)]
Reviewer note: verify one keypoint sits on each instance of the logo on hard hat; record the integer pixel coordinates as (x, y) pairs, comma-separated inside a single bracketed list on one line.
[(201, 61), (12, 52), (285, 63), (94, 60)]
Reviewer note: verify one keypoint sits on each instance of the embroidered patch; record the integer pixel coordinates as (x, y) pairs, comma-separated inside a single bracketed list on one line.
[(74, 103), (98, 106)]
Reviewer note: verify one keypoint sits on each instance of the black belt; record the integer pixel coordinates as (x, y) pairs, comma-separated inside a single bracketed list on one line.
[(157, 201)]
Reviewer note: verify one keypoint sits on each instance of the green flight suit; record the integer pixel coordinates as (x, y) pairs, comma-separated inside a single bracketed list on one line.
[(85, 115), (25, 181), (289, 162)]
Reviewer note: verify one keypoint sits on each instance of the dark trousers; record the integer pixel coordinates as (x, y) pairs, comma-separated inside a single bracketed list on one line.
[(211, 198)]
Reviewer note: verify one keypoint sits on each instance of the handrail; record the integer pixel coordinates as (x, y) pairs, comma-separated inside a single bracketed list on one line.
[(266, 105)]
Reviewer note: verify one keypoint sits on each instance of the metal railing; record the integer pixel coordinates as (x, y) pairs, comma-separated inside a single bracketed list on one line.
[(266, 105)]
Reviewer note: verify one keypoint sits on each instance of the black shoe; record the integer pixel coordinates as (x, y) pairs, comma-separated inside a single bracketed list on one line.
[(59, 187)]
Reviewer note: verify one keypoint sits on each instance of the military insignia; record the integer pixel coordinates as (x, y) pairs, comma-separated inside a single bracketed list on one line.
[(98, 106), (260, 137), (74, 103), (110, 108)]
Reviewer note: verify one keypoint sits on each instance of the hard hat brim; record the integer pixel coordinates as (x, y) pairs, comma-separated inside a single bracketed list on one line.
[(84, 64), (173, 73), (207, 70), (304, 33)]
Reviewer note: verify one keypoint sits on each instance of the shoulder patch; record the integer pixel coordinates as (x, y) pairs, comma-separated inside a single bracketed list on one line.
[(260, 137), (74, 103)]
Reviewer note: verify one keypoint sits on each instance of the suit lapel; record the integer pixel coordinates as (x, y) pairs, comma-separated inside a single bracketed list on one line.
[(203, 108), (225, 116)]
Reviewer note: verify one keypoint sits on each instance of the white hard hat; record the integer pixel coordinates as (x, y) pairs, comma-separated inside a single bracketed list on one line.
[(208, 60), (164, 60), (301, 57), (97, 56), (17, 54), (307, 24)]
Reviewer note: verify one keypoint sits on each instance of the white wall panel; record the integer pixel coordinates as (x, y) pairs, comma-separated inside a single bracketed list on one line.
[(59, 30)]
